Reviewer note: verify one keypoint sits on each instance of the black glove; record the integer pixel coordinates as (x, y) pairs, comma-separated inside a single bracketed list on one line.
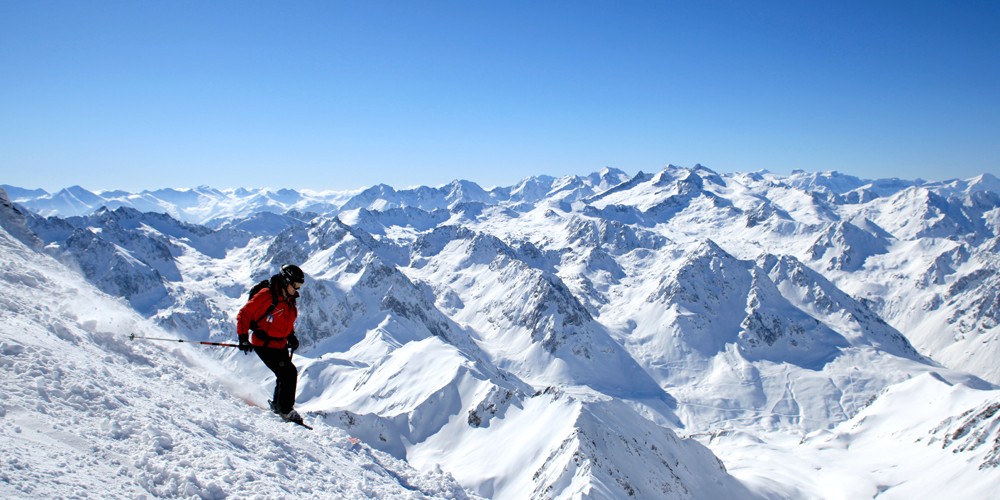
[(293, 342), (245, 344)]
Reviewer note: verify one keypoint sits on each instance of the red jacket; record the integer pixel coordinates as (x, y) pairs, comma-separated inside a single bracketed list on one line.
[(278, 325)]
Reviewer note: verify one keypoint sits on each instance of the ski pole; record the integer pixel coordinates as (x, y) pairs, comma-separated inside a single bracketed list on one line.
[(202, 342)]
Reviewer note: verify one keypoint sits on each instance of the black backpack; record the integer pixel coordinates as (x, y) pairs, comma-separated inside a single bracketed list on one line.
[(274, 302)]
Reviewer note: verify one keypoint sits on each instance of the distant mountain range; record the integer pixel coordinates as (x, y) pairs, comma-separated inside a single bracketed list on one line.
[(621, 312), (203, 205)]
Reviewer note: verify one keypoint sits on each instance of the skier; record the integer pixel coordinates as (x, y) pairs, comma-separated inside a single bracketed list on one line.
[(269, 316)]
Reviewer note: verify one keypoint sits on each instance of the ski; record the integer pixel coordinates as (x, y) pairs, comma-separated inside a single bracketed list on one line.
[(270, 405)]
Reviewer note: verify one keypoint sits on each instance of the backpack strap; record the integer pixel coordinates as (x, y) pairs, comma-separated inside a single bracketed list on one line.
[(253, 323)]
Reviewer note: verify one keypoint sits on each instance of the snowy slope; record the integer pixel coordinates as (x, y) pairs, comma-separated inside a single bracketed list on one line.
[(85, 412), (923, 438)]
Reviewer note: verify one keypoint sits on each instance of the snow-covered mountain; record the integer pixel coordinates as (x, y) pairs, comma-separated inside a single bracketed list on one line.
[(200, 205), (206, 205), (562, 336)]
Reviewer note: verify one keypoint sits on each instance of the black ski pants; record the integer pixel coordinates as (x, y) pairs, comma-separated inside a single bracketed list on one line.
[(280, 362)]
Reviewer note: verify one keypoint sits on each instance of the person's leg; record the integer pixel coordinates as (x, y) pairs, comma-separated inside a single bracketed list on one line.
[(278, 361), (285, 387)]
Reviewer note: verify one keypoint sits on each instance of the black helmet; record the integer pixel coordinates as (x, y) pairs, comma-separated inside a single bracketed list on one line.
[(292, 274)]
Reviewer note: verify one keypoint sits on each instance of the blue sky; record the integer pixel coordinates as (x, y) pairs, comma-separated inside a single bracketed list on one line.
[(340, 95)]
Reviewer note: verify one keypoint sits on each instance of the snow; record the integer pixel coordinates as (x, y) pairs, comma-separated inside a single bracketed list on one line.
[(930, 450), (602, 336)]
